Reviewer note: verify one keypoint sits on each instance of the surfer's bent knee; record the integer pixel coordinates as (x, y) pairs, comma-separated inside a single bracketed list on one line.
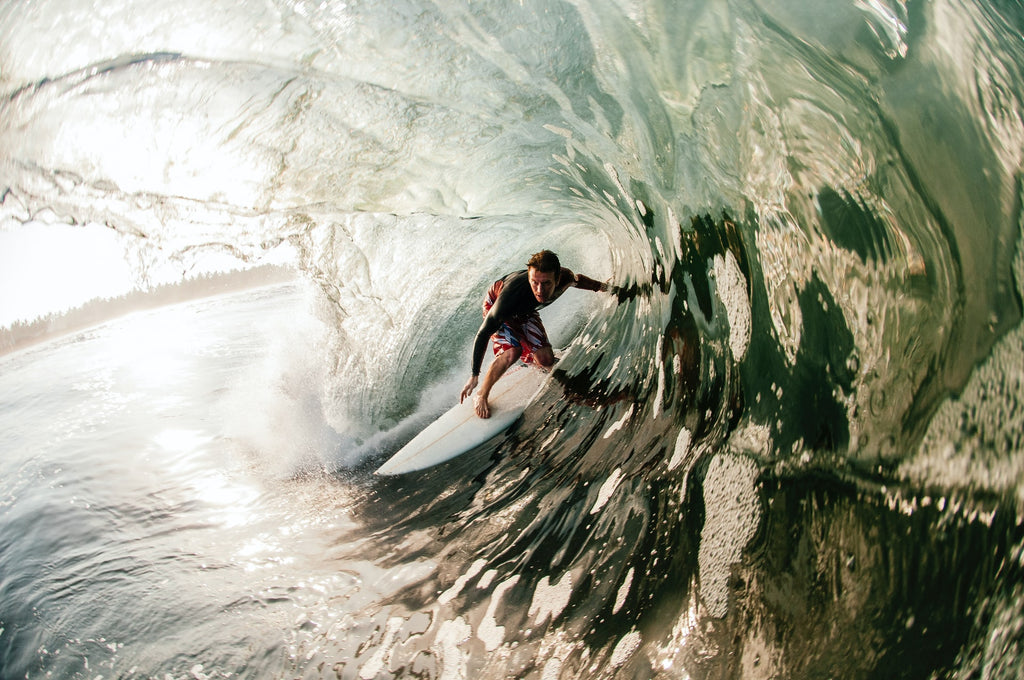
[(544, 357)]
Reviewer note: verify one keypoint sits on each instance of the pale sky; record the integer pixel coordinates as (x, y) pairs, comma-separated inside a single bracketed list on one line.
[(46, 268)]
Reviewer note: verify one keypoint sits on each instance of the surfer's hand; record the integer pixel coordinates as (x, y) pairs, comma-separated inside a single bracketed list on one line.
[(468, 389)]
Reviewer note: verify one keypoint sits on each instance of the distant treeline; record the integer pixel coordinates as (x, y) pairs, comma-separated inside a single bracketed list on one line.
[(22, 334)]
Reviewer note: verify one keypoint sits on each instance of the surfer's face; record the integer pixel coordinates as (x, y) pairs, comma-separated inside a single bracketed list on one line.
[(541, 283)]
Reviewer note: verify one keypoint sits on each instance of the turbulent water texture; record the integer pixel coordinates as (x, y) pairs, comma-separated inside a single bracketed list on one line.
[(787, 444)]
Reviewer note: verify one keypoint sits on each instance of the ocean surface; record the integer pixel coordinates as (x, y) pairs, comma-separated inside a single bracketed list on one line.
[(787, 445)]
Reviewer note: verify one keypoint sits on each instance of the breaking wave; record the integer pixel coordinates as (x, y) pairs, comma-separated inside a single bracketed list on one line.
[(793, 431)]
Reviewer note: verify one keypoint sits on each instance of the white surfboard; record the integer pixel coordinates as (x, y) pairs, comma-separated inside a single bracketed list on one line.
[(460, 429)]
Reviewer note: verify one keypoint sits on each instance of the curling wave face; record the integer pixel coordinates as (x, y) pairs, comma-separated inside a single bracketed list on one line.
[(811, 215)]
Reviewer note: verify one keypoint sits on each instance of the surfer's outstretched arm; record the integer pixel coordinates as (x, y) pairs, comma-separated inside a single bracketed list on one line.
[(490, 324), (586, 283)]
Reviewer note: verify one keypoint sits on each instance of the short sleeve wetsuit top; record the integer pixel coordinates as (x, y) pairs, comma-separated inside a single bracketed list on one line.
[(511, 318)]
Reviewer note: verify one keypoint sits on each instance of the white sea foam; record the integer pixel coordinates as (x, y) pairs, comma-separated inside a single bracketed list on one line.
[(681, 449), (489, 631), (460, 583), (450, 636), (550, 600), (732, 290), (623, 593), (625, 648), (732, 514), (606, 490)]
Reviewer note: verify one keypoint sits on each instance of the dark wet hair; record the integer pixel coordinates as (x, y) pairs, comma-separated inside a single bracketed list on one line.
[(545, 261)]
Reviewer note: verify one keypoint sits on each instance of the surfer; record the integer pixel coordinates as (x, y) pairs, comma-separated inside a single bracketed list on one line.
[(512, 323)]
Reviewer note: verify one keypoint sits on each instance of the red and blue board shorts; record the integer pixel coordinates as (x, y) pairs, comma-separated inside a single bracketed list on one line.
[(527, 334)]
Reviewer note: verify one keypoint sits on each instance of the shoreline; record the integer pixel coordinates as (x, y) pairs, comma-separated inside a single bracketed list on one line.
[(23, 334)]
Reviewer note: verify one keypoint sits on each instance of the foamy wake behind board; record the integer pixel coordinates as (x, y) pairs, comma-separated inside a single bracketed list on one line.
[(459, 430)]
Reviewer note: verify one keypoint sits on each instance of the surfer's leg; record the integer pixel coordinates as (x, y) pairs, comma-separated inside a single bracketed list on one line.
[(536, 346), (494, 372), (544, 357)]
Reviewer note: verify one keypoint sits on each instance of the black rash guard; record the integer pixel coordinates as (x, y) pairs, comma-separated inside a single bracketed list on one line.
[(516, 302)]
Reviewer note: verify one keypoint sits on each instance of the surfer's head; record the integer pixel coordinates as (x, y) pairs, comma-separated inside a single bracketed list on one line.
[(545, 261), (542, 270)]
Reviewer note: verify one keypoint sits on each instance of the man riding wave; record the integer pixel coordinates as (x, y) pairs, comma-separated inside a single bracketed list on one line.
[(513, 325)]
